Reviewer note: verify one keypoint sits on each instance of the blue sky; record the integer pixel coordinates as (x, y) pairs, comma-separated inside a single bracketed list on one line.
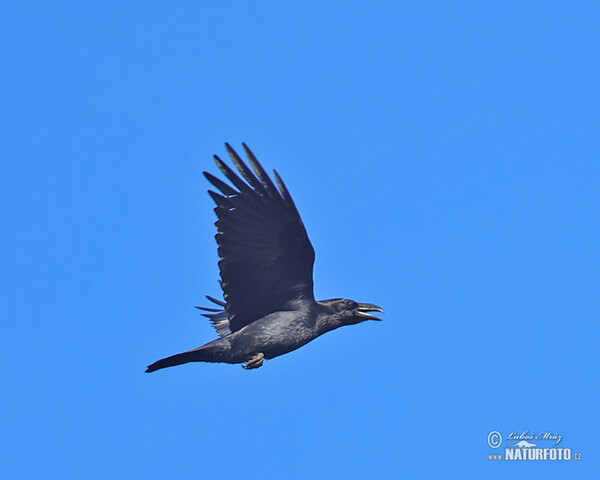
[(444, 158)]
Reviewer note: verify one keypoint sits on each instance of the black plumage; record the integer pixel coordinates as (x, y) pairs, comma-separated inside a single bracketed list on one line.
[(266, 265)]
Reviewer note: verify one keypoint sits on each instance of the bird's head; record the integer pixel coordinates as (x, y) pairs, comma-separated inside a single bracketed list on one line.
[(343, 311)]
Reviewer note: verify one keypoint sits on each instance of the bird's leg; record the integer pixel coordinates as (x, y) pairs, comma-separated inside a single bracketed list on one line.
[(255, 362)]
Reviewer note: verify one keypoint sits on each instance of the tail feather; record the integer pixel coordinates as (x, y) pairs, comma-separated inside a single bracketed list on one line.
[(177, 359), (218, 350)]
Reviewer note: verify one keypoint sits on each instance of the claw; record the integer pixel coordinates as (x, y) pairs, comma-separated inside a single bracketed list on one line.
[(255, 362)]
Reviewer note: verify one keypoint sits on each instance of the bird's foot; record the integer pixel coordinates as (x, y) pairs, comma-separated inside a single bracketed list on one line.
[(255, 362)]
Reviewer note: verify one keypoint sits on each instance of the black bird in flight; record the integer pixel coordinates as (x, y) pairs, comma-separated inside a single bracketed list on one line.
[(266, 264)]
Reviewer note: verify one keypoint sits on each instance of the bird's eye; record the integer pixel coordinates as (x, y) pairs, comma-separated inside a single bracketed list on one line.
[(350, 304)]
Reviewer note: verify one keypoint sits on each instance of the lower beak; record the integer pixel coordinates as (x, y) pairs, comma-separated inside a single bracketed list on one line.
[(363, 308)]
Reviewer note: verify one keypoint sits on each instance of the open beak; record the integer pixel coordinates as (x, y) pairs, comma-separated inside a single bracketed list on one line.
[(363, 308)]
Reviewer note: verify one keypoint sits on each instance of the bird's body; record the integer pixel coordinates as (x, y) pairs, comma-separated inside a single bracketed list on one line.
[(266, 265), (272, 335)]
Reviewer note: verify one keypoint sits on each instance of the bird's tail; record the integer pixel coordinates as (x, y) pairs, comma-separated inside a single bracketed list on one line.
[(178, 359), (218, 350)]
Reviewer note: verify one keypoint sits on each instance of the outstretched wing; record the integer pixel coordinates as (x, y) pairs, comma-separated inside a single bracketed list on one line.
[(265, 257)]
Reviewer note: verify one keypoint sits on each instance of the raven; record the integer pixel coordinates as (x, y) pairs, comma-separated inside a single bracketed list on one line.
[(266, 265)]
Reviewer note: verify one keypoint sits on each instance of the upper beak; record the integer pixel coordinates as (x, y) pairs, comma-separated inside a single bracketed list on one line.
[(363, 308)]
